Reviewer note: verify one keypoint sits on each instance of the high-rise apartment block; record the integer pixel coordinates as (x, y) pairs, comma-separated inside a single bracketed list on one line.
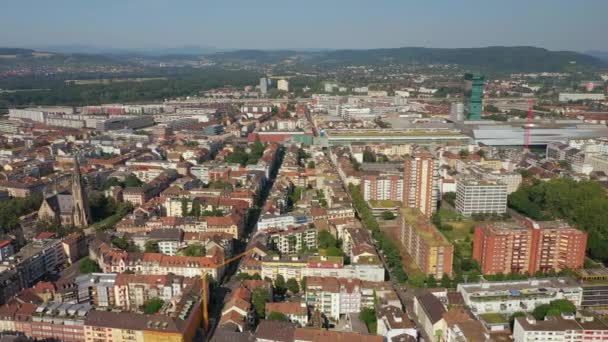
[(480, 197), (421, 182), (473, 93), (429, 249), (382, 186), (283, 85), (528, 246), (263, 85)]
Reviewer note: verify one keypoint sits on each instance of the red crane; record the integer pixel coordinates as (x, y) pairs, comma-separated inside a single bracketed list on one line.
[(528, 125)]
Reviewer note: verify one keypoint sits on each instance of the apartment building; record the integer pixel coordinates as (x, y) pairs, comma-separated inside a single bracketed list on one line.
[(336, 297), (421, 182), (293, 240), (131, 291), (508, 297), (320, 266), (382, 186), (528, 246), (480, 197), (564, 328), (431, 251)]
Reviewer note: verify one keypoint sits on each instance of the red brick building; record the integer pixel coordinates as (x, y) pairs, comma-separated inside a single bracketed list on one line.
[(378, 186), (528, 246), (420, 183)]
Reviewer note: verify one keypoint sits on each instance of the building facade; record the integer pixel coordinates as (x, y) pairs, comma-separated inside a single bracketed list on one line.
[(480, 197), (421, 183), (528, 246)]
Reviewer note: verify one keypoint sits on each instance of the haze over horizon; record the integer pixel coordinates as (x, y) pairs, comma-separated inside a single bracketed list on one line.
[(315, 24)]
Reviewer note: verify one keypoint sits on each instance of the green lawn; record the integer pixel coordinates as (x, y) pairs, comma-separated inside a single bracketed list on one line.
[(494, 318)]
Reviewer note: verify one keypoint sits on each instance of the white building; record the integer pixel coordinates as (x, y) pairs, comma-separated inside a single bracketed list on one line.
[(518, 295), (283, 85), (480, 197), (565, 328), (566, 97)]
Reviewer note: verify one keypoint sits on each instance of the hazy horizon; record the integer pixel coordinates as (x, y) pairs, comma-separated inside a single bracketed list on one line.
[(315, 24)]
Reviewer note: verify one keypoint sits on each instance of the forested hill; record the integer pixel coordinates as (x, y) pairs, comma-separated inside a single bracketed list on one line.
[(500, 58)]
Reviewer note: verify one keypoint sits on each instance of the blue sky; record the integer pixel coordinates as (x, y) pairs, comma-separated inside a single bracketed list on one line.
[(268, 24)]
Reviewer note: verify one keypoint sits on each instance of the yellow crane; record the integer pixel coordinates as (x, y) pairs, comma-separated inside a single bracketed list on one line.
[(206, 287)]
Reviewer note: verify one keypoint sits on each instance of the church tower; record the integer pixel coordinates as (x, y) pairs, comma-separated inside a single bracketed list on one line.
[(82, 211)]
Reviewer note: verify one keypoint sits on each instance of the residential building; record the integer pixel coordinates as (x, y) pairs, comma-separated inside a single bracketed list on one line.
[(131, 291), (283, 85), (421, 183), (480, 197), (36, 259), (75, 247), (507, 297), (297, 312), (429, 311), (6, 249), (293, 240), (528, 247), (392, 322), (564, 328), (323, 335), (429, 249), (376, 187), (263, 85)]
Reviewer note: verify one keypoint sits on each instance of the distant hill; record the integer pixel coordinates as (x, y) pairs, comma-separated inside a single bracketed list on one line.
[(521, 58), (603, 55), (12, 57), (15, 51)]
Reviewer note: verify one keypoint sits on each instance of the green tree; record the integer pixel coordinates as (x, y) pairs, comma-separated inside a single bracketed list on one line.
[(325, 239), (463, 153), (368, 316), (280, 286), (311, 164), (88, 265), (303, 284), (185, 203), (151, 246), (431, 282), (369, 156), (194, 250), (416, 279), (132, 181), (277, 316), (334, 251), (153, 305), (388, 215), (259, 298), (293, 286), (446, 281)]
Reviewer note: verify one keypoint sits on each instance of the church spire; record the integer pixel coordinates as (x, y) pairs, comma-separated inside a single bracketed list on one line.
[(82, 211)]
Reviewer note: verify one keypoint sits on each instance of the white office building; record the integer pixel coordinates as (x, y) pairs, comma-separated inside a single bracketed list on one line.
[(480, 197)]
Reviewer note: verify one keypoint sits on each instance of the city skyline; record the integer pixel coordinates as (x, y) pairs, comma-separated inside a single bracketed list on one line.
[(154, 24)]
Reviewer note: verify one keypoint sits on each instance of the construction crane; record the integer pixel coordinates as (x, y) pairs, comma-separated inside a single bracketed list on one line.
[(206, 287), (528, 125)]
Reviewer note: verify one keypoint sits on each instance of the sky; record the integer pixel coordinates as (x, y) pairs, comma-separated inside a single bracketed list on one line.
[(577, 25)]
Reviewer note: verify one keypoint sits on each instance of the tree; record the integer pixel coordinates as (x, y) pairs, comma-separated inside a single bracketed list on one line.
[(88, 265), (185, 203), (292, 285), (303, 284), (388, 215), (325, 239), (259, 298), (132, 181), (194, 250), (416, 279), (369, 156), (463, 153), (151, 246), (554, 308), (334, 251), (153, 305), (431, 282), (446, 281), (311, 164), (280, 285), (277, 316), (368, 316)]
